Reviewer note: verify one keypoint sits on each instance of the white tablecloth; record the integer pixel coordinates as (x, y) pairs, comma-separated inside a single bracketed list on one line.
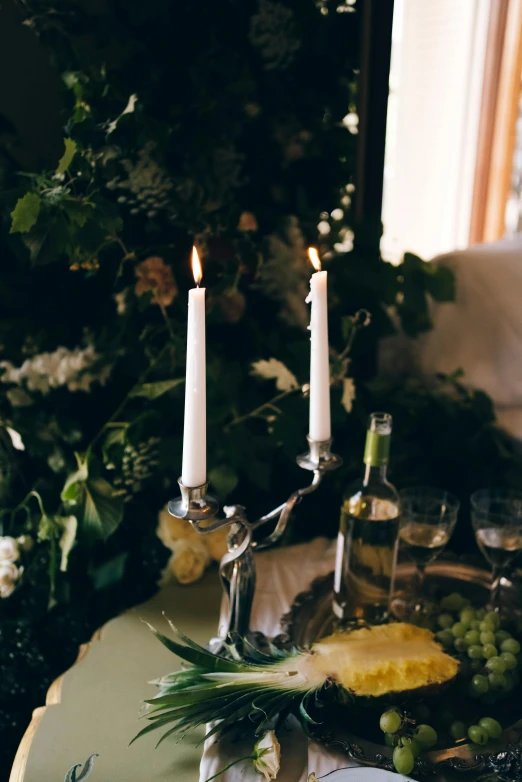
[(281, 575)]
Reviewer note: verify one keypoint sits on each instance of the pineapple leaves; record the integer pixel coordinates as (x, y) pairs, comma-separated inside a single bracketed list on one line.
[(242, 693)]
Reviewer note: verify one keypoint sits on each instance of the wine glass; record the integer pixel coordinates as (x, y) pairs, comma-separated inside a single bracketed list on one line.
[(428, 517), (496, 515)]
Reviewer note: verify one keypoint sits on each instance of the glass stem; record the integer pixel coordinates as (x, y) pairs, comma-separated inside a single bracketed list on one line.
[(495, 587), (421, 573)]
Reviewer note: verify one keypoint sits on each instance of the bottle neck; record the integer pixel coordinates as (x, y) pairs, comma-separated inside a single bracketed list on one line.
[(375, 474)]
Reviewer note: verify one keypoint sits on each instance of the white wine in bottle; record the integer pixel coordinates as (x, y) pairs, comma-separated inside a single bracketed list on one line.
[(368, 535)]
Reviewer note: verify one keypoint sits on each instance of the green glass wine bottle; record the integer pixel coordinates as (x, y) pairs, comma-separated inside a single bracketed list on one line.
[(368, 535)]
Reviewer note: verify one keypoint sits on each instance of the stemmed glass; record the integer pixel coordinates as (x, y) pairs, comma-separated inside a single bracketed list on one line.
[(496, 515), (428, 517)]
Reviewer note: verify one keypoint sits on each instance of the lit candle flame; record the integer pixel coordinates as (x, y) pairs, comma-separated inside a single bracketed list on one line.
[(196, 267), (314, 258)]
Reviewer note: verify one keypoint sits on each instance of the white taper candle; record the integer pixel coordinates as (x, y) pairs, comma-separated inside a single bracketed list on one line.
[(194, 469), (320, 426)]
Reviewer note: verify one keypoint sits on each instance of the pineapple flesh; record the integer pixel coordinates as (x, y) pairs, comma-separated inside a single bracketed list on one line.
[(386, 659)]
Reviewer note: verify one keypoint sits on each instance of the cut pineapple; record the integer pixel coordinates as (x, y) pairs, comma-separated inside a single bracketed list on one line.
[(394, 658), (248, 693)]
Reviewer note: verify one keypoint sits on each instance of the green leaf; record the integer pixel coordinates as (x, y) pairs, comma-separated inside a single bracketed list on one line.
[(67, 157), (224, 479), (70, 526), (25, 214), (155, 390), (79, 212), (110, 572), (98, 506), (102, 509), (70, 490)]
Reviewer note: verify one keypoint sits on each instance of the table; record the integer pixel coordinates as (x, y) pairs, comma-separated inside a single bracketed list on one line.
[(93, 707)]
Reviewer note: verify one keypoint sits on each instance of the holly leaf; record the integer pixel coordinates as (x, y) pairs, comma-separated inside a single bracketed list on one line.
[(155, 390), (67, 157), (25, 214)]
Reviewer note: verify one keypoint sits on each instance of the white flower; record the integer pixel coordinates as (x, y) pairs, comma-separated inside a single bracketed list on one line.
[(189, 560), (62, 368), (348, 394), (121, 301), (9, 551), (16, 439), (267, 755), (9, 575), (25, 542), (285, 380)]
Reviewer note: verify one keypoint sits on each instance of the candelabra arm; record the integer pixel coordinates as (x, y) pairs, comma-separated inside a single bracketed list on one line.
[(285, 511)]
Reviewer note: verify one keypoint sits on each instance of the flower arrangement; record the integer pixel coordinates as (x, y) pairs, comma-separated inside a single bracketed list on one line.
[(93, 298)]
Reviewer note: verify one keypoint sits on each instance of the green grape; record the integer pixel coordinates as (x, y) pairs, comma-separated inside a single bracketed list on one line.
[(509, 645), (489, 651), (475, 652), (403, 760), (510, 661), (459, 630), (391, 739), (479, 684), (474, 625), (472, 637), (496, 664), (478, 735), (445, 637), (486, 626), (460, 644), (458, 730), (492, 727), (508, 686), (390, 722), (467, 615), (476, 666), (480, 613), (425, 735), (453, 602), (445, 620), (494, 618), (501, 635), (487, 637), (497, 681), (413, 744)]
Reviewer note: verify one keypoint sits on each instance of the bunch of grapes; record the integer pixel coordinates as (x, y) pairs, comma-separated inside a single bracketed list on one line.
[(488, 653), (407, 739)]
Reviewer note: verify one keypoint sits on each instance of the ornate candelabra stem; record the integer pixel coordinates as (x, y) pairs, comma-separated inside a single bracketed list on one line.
[(237, 567)]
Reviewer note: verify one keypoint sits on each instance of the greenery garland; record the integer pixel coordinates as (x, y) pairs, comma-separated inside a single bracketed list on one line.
[(234, 126)]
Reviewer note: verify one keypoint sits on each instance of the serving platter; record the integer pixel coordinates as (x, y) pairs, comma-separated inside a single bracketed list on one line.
[(310, 618)]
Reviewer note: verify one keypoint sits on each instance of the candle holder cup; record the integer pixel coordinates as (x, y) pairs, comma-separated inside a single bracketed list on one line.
[(237, 567)]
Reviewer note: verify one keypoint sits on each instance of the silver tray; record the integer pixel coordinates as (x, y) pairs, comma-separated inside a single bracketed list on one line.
[(310, 618)]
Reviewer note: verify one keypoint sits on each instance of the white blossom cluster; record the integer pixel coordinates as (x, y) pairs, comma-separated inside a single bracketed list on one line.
[(70, 368), (272, 32), (147, 187), (285, 276), (10, 573)]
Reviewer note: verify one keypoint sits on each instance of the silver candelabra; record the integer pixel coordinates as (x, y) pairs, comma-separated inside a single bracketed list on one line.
[(237, 568)]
